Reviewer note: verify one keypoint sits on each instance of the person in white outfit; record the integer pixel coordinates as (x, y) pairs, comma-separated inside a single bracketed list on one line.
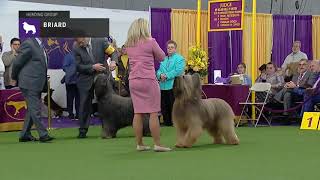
[(2, 67), (295, 56)]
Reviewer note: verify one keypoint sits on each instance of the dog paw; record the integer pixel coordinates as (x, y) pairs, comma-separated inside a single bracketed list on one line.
[(234, 142), (179, 146), (187, 146), (218, 142)]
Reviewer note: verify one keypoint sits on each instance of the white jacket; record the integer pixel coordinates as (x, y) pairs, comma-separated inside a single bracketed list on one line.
[(2, 69)]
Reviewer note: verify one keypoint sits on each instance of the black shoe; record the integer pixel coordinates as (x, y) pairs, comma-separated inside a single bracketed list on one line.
[(82, 136), (46, 138), (27, 139)]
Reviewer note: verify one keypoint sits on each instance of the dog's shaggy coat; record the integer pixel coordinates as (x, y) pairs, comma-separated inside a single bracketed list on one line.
[(191, 114), (115, 111)]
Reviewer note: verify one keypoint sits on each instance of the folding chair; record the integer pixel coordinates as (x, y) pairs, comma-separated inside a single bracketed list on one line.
[(262, 91)]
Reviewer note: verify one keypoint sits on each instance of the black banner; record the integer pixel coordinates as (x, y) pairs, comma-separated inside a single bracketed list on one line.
[(59, 24)]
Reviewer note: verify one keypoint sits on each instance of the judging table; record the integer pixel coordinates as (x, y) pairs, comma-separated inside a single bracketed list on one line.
[(12, 110), (232, 94)]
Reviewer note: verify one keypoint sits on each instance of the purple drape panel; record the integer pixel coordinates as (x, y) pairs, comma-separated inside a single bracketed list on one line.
[(219, 54), (161, 27), (236, 49), (303, 33), (282, 37)]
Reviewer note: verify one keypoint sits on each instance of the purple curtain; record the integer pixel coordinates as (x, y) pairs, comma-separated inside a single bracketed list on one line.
[(236, 49), (303, 33), (219, 54), (283, 27), (161, 27)]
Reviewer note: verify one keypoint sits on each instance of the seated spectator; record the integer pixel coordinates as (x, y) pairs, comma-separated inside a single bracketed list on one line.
[(270, 76), (295, 56), (293, 91), (312, 94), (241, 70), (2, 68)]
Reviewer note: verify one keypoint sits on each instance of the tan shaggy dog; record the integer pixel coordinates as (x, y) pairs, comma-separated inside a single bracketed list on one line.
[(191, 114)]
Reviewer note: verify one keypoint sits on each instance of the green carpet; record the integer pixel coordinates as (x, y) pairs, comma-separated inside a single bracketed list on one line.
[(276, 153)]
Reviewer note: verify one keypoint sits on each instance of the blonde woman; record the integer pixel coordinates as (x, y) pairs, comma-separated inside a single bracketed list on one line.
[(142, 50)]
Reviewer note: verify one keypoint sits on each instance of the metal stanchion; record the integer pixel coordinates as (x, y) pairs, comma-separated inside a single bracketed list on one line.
[(49, 104)]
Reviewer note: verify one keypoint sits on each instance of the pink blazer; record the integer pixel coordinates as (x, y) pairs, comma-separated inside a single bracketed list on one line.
[(141, 59)]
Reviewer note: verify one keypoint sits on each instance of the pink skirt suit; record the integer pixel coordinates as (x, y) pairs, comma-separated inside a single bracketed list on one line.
[(143, 84)]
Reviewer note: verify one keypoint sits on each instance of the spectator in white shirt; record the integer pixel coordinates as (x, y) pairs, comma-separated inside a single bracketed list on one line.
[(295, 56), (2, 68)]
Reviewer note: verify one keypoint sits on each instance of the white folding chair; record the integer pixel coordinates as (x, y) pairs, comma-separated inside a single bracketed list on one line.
[(262, 92)]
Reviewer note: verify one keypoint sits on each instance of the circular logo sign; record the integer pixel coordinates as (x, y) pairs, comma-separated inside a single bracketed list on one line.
[(15, 106)]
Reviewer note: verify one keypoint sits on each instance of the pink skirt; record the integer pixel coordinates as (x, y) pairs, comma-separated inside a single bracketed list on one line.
[(145, 94)]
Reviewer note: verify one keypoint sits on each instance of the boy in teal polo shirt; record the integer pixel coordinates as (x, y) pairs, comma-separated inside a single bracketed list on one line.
[(172, 66)]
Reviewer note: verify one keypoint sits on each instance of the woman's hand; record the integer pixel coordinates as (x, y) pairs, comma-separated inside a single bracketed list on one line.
[(163, 77)]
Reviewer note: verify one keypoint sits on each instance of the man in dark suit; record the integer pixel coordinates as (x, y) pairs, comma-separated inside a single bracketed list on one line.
[(293, 91), (30, 71), (90, 59)]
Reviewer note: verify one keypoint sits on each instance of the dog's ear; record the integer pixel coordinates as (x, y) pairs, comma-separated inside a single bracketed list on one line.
[(100, 85), (196, 80)]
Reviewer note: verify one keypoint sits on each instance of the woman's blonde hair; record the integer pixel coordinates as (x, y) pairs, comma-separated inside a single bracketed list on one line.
[(139, 30)]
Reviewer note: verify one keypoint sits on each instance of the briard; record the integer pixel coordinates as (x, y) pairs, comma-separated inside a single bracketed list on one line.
[(191, 114), (115, 111)]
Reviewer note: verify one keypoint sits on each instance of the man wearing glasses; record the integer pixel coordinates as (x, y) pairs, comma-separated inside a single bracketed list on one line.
[(7, 59), (293, 91), (312, 92)]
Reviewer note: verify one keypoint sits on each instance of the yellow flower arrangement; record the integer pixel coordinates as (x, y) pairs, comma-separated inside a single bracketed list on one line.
[(197, 62)]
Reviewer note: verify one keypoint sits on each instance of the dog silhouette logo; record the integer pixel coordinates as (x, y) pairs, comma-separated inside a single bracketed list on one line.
[(15, 106), (29, 27), (18, 105)]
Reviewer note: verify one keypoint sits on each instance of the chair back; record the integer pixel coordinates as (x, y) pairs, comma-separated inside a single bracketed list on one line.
[(261, 87)]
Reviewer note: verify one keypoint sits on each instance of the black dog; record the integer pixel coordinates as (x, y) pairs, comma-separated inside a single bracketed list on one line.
[(115, 111), (54, 106)]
